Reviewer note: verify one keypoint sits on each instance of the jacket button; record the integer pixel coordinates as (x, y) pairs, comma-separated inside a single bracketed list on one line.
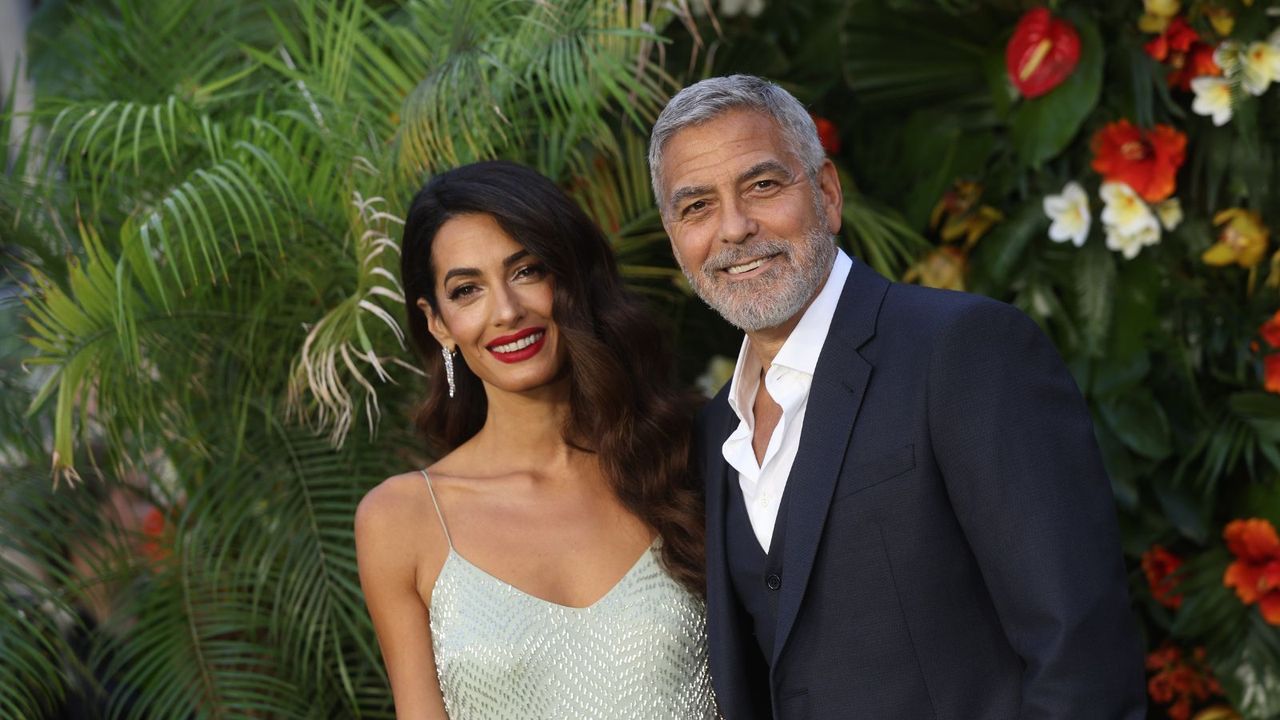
[(773, 582)]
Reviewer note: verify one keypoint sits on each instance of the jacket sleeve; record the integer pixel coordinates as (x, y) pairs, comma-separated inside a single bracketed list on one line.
[(1015, 446)]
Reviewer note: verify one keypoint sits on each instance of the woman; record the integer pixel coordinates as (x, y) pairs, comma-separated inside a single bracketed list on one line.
[(549, 565)]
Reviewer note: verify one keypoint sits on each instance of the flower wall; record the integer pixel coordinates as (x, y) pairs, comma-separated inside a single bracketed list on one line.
[(1112, 169)]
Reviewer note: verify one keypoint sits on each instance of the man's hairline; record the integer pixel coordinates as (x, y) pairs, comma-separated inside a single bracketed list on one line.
[(791, 152)]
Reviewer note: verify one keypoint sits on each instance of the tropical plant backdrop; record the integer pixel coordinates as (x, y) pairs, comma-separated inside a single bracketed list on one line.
[(202, 359)]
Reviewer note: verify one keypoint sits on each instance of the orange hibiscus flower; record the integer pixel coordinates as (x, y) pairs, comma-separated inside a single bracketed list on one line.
[(1255, 574), (1160, 566), (1271, 373), (1146, 161)]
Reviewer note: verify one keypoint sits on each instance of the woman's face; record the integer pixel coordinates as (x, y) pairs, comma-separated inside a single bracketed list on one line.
[(495, 301)]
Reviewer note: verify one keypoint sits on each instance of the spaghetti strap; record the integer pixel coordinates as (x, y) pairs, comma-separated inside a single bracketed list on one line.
[(439, 514)]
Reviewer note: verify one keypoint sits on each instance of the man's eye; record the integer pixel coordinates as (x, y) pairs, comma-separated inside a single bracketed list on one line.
[(766, 184), (696, 206)]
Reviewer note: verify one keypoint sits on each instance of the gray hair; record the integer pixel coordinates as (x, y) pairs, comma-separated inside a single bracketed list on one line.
[(709, 99)]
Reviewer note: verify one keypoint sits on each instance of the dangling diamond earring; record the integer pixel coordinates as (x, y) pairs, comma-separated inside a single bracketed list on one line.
[(448, 370)]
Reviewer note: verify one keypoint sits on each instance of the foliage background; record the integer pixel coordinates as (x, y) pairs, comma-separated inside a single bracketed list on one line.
[(200, 303)]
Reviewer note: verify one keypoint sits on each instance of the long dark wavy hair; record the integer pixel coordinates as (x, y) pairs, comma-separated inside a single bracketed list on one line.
[(623, 402)]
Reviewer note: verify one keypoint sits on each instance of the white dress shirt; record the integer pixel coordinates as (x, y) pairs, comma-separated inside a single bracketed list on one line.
[(788, 381)]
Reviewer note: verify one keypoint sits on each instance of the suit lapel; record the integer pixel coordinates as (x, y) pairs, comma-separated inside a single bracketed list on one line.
[(839, 382)]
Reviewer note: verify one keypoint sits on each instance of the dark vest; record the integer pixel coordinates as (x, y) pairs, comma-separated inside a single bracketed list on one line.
[(756, 577)]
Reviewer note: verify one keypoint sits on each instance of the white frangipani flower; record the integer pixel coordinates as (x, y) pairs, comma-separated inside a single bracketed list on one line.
[(1170, 213), (1254, 66), (1213, 98), (1129, 223), (1069, 212), (1130, 244), (1124, 209), (1260, 62)]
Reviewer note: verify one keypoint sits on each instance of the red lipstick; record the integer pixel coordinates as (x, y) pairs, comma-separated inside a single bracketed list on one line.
[(525, 350)]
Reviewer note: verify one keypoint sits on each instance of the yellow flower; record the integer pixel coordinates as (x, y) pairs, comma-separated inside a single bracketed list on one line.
[(942, 268), (1157, 14), (1243, 239), (1222, 20), (1170, 213), (964, 218), (1217, 712)]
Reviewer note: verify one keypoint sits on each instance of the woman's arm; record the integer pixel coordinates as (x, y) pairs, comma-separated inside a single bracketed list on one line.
[(392, 543)]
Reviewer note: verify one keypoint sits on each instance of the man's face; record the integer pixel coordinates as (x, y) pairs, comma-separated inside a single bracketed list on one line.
[(748, 227)]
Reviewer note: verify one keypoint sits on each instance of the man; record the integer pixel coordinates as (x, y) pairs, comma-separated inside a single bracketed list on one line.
[(907, 515)]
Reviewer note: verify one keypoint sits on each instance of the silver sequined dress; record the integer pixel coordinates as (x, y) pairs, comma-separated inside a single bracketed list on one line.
[(638, 653)]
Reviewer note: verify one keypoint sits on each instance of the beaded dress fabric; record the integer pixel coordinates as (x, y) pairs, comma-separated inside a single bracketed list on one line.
[(638, 653)]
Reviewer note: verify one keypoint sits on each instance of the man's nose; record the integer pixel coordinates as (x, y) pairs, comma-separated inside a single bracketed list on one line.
[(736, 222)]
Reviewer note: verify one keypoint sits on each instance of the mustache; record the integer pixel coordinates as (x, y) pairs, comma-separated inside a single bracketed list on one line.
[(739, 254)]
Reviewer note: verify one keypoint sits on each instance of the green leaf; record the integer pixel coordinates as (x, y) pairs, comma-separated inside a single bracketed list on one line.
[(1113, 374), (1095, 287), (1043, 126), (1188, 512), (1140, 423), (1000, 252)]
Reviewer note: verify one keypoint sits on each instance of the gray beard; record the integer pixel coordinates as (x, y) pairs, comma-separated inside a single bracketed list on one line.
[(773, 298)]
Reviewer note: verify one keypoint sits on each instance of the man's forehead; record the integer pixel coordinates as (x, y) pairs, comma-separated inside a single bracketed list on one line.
[(724, 148)]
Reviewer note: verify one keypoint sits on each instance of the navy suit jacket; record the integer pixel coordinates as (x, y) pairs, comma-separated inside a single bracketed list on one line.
[(952, 550)]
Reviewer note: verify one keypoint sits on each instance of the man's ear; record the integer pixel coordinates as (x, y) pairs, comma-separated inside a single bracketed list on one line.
[(436, 325), (832, 195)]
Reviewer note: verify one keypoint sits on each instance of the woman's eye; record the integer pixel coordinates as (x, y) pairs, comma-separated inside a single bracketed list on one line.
[(461, 291), (530, 271)]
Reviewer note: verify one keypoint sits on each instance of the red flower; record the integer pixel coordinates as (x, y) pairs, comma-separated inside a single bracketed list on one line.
[(1271, 373), (1160, 567), (1178, 37), (154, 526), (828, 135), (1042, 53), (1270, 330), (1255, 574), (1179, 681), (1180, 48), (1197, 62), (1146, 161)]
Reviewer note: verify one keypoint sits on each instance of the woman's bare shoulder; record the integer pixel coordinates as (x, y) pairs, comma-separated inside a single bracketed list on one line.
[(391, 528), (396, 500)]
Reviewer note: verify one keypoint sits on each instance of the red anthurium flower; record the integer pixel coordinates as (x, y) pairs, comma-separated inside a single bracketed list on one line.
[(828, 134), (1270, 330), (1147, 161), (1159, 565), (1255, 574), (1042, 53)]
